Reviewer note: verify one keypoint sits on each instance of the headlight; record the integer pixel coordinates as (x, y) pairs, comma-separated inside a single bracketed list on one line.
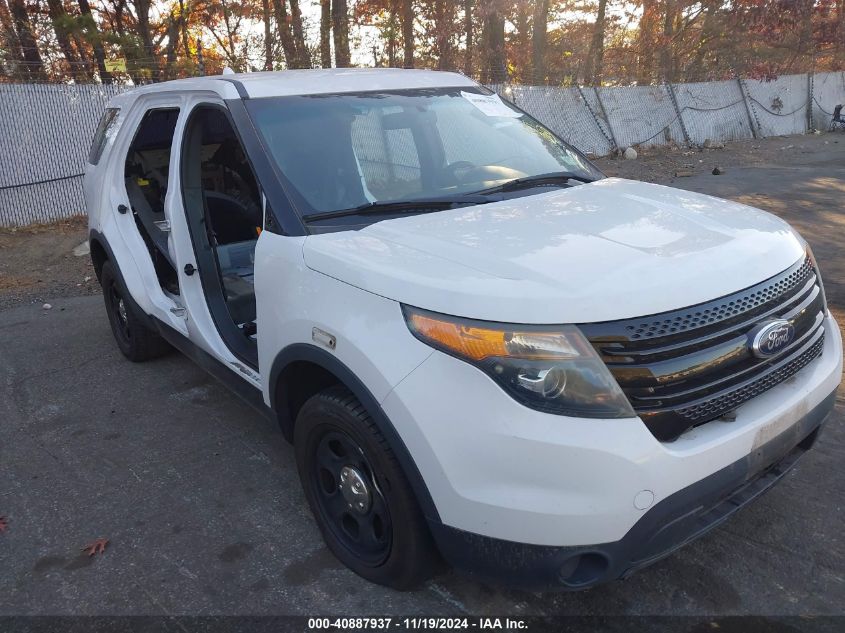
[(551, 369)]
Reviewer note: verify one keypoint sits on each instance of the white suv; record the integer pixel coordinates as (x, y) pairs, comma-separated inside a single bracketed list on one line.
[(478, 345)]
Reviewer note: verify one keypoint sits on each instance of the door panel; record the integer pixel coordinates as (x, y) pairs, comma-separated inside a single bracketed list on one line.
[(146, 175), (223, 212)]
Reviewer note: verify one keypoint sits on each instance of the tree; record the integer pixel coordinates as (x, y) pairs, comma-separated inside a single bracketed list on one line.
[(647, 41), (667, 59), (593, 68), (268, 35), (289, 26), (493, 62), (303, 55), (407, 33), (92, 35), (340, 30), (468, 44), (839, 32), (32, 60), (519, 51), (392, 32), (444, 24), (325, 33), (704, 48), (10, 42), (564, 41), (539, 37), (172, 43), (223, 20), (61, 26), (143, 25), (184, 16), (285, 34)]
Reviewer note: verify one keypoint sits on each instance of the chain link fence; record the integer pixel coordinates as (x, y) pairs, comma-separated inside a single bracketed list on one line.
[(45, 129), (45, 133)]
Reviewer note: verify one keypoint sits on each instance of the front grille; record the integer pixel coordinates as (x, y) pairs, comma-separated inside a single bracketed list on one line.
[(714, 407), (726, 308), (684, 368)]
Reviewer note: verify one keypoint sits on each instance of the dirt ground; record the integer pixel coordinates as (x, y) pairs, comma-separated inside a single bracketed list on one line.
[(37, 263), (661, 164)]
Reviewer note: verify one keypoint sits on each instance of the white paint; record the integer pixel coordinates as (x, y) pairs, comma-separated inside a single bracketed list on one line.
[(333, 80), (644, 499), (497, 468), (608, 250)]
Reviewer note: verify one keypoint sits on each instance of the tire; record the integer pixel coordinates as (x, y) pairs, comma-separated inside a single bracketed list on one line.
[(134, 339), (393, 546)]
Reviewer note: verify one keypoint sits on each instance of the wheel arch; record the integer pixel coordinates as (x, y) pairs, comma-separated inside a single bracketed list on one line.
[(101, 252), (99, 256), (305, 369)]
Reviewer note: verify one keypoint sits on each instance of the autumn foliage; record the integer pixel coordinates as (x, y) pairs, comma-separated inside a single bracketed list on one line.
[(531, 41)]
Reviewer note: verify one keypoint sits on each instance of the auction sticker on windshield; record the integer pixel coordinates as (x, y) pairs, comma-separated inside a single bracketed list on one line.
[(491, 105)]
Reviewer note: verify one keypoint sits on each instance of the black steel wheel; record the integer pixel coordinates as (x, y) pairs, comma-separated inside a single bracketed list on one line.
[(349, 498), (358, 493), (135, 340), (118, 315)]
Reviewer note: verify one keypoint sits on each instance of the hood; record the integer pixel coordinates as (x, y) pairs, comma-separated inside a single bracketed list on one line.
[(607, 250)]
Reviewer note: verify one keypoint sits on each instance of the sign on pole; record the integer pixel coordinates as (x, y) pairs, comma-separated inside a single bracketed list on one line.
[(116, 65)]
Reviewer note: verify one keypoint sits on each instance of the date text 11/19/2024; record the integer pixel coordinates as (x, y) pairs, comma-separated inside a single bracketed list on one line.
[(417, 623)]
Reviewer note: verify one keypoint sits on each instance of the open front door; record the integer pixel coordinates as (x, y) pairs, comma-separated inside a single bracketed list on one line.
[(223, 210)]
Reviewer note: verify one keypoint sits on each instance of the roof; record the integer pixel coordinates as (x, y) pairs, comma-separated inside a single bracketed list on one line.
[(308, 82), (325, 80)]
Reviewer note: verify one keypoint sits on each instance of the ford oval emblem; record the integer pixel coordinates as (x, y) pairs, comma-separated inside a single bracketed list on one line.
[(771, 338)]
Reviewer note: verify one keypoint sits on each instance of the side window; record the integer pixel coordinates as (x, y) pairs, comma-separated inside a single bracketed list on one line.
[(223, 204), (105, 129), (145, 176)]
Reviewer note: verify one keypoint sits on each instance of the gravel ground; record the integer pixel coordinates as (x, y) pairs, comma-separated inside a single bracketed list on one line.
[(37, 263), (661, 164)]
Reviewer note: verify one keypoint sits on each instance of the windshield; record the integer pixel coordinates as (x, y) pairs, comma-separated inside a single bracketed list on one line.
[(343, 151)]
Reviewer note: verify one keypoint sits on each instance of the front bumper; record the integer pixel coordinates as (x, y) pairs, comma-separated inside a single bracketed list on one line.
[(667, 526), (496, 468)]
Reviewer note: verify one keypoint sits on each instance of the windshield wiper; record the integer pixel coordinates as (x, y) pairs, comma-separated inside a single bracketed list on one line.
[(551, 178), (423, 205)]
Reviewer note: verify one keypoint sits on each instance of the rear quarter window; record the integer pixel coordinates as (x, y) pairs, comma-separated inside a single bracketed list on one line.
[(105, 129)]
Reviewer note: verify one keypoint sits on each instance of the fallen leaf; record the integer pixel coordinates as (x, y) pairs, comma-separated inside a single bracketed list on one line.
[(4, 523), (97, 547)]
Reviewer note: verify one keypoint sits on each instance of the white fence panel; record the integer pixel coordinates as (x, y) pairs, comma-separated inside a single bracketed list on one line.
[(780, 105), (713, 110), (564, 112), (828, 92), (45, 133), (642, 115)]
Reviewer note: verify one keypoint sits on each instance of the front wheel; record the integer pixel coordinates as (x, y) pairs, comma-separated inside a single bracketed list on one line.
[(361, 499)]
